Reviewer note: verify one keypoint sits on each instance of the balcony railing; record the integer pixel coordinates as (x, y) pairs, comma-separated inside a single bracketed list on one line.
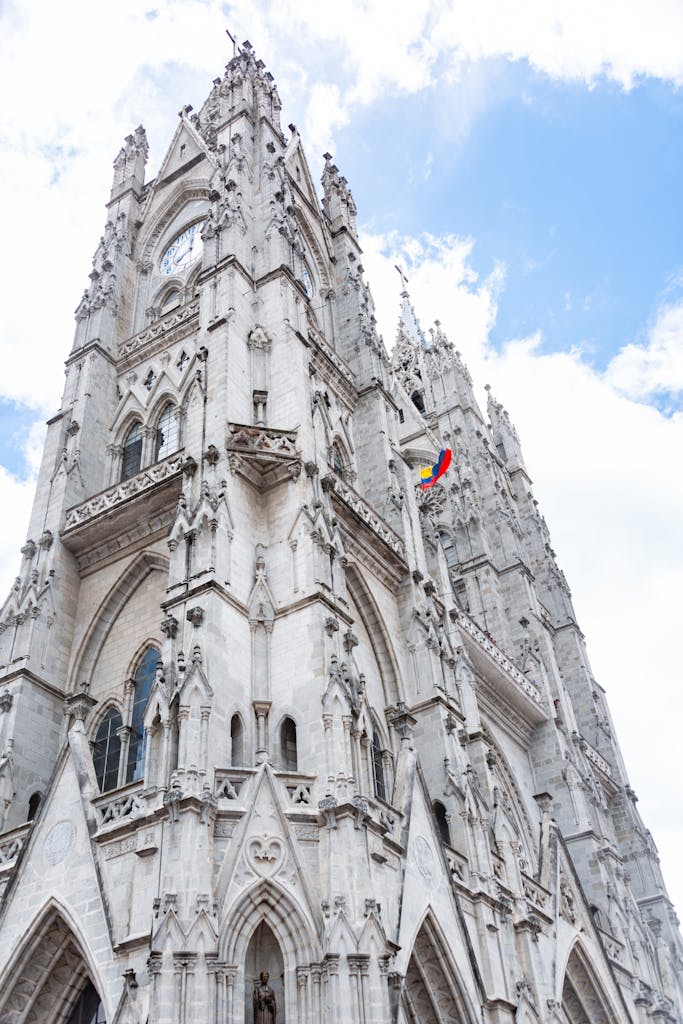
[(514, 684), (120, 493)]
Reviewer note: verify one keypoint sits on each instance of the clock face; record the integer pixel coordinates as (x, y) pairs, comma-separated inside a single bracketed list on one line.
[(182, 251)]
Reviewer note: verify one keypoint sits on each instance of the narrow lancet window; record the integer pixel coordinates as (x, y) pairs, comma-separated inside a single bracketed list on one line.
[(288, 745), (167, 434), (132, 452), (378, 769), (107, 751), (236, 742), (144, 679)]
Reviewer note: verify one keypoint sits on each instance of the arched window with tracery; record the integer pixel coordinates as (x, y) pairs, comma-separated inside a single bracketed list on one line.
[(288, 750), (418, 401), (166, 441), (132, 452), (144, 680), (441, 822), (107, 751), (236, 742)]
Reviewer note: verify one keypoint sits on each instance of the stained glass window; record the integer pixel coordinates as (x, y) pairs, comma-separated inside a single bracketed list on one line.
[(107, 751)]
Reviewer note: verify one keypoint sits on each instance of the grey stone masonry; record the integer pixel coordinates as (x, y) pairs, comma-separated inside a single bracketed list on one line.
[(266, 705)]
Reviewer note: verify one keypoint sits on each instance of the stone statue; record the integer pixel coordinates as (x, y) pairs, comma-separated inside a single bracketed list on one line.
[(265, 1009)]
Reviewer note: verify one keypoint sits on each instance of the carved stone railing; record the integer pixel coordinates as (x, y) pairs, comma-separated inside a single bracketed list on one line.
[(510, 670), (114, 496), (229, 783), (613, 947), (11, 845), (318, 338), (536, 894), (457, 865), (365, 512), (178, 322), (298, 789), (596, 759), (121, 805)]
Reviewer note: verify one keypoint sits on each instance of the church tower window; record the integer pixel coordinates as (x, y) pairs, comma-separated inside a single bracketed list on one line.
[(378, 769), (167, 433), (132, 452), (144, 678), (33, 805), (288, 751), (418, 401), (236, 742), (442, 822), (107, 751)]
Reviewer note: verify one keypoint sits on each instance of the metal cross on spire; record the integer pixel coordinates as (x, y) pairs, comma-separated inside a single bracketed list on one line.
[(404, 279), (232, 40)]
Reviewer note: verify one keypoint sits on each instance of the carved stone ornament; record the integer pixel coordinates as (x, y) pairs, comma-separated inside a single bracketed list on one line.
[(58, 842), (266, 855), (195, 616), (6, 699), (169, 627)]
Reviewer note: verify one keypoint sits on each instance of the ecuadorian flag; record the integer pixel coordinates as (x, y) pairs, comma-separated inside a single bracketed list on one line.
[(432, 473)]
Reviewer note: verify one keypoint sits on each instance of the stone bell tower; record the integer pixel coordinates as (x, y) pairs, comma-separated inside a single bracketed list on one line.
[(281, 737)]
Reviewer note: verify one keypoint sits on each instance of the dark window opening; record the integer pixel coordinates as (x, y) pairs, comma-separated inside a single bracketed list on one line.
[(236, 742), (132, 452), (442, 822), (337, 461), (401, 417), (418, 401), (33, 805), (288, 749), (378, 769), (89, 1008)]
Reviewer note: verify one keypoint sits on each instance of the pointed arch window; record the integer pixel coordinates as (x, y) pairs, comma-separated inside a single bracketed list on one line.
[(337, 461), (442, 822), (167, 433), (132, 452), (170, 300), (418, 402), (288, 751), (107, 751), (236, 742), (378, 768), (33, 805), (144, 679)]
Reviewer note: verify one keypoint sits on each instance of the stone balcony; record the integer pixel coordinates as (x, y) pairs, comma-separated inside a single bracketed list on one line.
[(124, 512), (263, 456), (171, 327), (369, 537), (499, 673)]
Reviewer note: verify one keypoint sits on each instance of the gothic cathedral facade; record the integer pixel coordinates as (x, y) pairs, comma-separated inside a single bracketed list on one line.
[(267, 707)]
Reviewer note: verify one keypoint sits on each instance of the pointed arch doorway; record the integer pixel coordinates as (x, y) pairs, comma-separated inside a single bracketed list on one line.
[(49, 979), (264, 954)]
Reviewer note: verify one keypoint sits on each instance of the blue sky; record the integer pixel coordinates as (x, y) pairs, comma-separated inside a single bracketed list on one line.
[(524, 162), (576, 191)]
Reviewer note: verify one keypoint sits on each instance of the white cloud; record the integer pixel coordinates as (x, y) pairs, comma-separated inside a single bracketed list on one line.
[(605, 471), (641, 371)]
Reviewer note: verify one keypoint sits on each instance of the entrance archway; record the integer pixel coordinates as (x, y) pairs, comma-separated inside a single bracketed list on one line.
[(583, 999), (49, 980)]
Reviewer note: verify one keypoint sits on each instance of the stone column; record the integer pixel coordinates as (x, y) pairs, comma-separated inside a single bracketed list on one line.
[(261, 707), (303, 1005), (331, 974)]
